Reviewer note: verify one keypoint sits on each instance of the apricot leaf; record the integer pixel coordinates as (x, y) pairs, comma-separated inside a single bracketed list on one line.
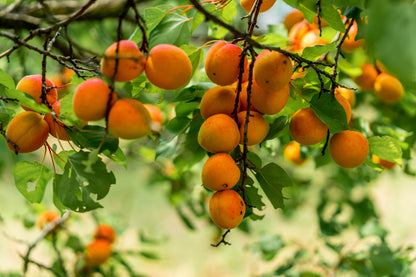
[(277, 126), (90, 137), (313, 53), (386, 148), (6, 80), (26, 100)]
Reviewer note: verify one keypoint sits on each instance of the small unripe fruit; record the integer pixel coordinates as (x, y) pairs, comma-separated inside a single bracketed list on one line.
[(227, 209), (220, 172), (306, 128), (348, 149), (32, 85), (388, 88)]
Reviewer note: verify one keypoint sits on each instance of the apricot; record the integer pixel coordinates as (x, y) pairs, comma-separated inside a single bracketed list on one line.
[(388, 88), (222, 63), (156, 117), (220, 172), (56, 127), (383, 163), (46, 217), (97, 252), (292, 18), (348, 149), (243, 97), (348, 94), (219, 99), (28, 131), (298, 31), (131, 61), (32, 85), (105, 232), (129, 119), (306, 128), (227, 209), (168, 67), (344, 103), (311, 38), (90, 99), (272, 70), (257, 128), (269, 102), (350, 43), (292, 153), (219, 133), (368, 77), (247, 5)]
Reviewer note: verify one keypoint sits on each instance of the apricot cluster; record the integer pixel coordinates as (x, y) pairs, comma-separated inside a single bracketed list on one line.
[(100, 249)]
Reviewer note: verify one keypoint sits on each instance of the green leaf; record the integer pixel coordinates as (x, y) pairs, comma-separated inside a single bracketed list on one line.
[(315, 52), (183, 109), (26, 100), (331, 16), (31, 180), (386, 148), (272, 179), (349, 3), (6, 80), (78, 189), (330, 112), (149, 255), (192, 92), (382, 260), (4, 114), (91, 136), (277, 126)]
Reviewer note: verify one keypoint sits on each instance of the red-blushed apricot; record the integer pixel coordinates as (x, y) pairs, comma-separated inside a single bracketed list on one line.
[(129, 119), (46, 217), (90, 100), (56, 127), (344, 103), (367, 78), (348, 94), (350, 44), (388, 88), (257, 128), (269, 102), (348, 149), (272, 70), (105, 232), (32, 85), (28, 131), (383, 163), (222, 63), (220, 172), (156, 116), (219, 133), (292, 153), (306, 128), (292, 18), (97, 252), (131, 61), (168, 67), (247, 5), (227, 209), (219, 99)]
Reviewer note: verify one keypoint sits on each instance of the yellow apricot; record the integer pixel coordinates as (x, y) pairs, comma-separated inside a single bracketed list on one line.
[(131, 61), (348, 94), (222, 63), (247, 5), (156, 116), (388, 88), (28, 131), (56, 127), (292, 18), (227, 209), (97, 252), (168, 67), (383, 163), (306, 128), (311, 38), (105, 232), (220, 172), (272, 70), (257, 128), (90, 100), (344, 103), (219, 133), (348, 149), (219, 99), (368, 77), (350, 43), (292, 153), (46, 217), (243, 98), (32, 85), (298, 31), (129, 119), (269, 102)]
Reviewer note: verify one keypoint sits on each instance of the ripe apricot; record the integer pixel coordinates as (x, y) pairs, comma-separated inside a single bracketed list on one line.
[(257, 128), (367, 78), (269, 102), (311, 38), (105, 232), (56, 127), (129, 119), (298, 31), (292, 18), (344, 103), (227, 209), (388, 88), (348, 94), (292, 153), (156, 116), (90, 99), (32, 85), (350, 43), (348, 149), (28, 131), (220, 172), (97, 252), (306, 128), (219, 99), (383, 163), (222, 63), (219, 133), (131, 61), (243, 97), (46, 217), (168, 67), (272, 70), (247, 5)]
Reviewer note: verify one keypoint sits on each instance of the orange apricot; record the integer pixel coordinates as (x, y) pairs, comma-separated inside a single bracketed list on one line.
[(222, 63), (56, 127), (227, 209), (129, 119), (243, 98), (32, 85), (97, 252), (348, 94), (220, 172), (46, 217), (367, 78), (292, 18), (306, 128), (348, 149), (90, 100), (257, 128), (219, 133), (383, 163), (131, 61), (298, 31), (105, 232), (344, 103), (311, 38), (247, 5), (292, 153), (269, 102), (168, 67), (350, 43), (156, 116), (219, 99), (272, 70), (28, 131), (388, 88)]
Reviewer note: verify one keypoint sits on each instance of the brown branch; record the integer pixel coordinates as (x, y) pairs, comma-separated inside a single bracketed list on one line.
[(222, 241)]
